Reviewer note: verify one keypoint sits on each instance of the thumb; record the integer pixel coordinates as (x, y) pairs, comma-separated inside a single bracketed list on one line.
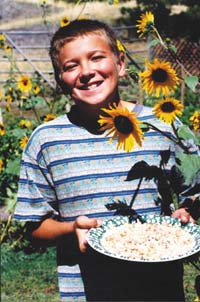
[(83, 222)]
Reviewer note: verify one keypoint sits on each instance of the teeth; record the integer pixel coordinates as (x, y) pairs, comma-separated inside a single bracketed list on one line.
[(92, 86)]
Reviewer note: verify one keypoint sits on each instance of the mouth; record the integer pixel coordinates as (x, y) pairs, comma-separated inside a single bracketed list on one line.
[(91, 86)]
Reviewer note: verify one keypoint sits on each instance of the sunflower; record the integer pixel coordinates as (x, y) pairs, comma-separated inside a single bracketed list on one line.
[(8, 107), (9, 98), (168, 109), (36, 89), (120, 46), (24, 124), (8, 49), (145, 24), (123, 125), (2, 40), (2, 37), (195, 120), (159, 78), (1, 94), (1, 165), (43, 2), (23, 142), (49, 117), (2, 129), (24, 83), (64, 21)]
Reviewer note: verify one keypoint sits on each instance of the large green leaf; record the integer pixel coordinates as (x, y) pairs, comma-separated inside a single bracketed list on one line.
[(191, 82), (153, 42), (185, 133), (13, 166), (19, 133), (189, 166)]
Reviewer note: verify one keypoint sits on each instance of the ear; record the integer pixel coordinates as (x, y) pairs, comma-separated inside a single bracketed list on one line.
[(121, 65), (61, 83)]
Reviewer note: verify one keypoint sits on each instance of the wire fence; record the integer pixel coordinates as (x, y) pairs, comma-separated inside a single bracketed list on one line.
[(187, 52)]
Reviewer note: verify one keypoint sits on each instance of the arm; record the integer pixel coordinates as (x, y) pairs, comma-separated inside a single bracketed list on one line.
[(51, 229)]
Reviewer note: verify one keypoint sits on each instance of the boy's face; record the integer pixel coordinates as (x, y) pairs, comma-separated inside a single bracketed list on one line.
[(91, 70)]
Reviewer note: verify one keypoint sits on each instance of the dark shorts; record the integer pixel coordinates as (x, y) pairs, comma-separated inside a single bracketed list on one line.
[(109, 279)]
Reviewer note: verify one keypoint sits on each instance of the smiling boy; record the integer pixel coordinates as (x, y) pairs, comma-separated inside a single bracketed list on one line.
[(69, 172)]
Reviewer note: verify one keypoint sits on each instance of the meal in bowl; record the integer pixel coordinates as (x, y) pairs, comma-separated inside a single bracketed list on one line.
[(148, 241)]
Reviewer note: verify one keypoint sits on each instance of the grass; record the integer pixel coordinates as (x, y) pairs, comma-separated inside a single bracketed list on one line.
[(189, 282), (29, 277), (34, 278)]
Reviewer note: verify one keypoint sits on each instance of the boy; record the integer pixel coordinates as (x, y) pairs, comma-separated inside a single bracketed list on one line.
[(69, 172)]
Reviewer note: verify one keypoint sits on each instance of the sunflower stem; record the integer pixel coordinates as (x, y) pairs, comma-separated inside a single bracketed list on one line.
[(136, 192), (160, 38), (176, 140), (36, 114), (6, 228), (160, 131)]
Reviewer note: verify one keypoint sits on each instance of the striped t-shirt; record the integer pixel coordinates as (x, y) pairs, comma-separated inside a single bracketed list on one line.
[(67, 171)]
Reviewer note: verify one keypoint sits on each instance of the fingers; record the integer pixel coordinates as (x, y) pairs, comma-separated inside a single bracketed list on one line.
[(183, 215), (81, 228), (82, 242)]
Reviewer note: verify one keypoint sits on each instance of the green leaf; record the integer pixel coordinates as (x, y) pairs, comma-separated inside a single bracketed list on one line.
[(19, 133), (154, 42), (185, 133), (13, 166), (144, 127), (173, 48), (189, 166), (37, 100), (11, 200), (191, 82)]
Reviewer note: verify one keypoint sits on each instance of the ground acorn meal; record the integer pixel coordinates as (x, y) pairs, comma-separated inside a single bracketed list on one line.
[(148, 241)]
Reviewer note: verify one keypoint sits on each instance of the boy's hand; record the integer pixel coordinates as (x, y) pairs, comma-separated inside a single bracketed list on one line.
[(81, 227), (183, 215)]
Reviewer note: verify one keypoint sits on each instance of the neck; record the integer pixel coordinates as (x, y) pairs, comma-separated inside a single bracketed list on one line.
[(129, 105), (88, 117), (83, 118)]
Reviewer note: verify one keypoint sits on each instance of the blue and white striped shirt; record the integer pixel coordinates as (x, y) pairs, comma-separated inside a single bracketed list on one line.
[(67, 171)]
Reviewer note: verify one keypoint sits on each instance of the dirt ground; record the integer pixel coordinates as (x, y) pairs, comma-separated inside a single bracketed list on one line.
[(17, 14)]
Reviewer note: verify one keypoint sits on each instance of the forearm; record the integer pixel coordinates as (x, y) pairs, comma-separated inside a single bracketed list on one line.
[(51, 229)]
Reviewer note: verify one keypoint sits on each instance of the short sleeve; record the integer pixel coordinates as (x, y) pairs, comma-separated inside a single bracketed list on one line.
[(36, 196)]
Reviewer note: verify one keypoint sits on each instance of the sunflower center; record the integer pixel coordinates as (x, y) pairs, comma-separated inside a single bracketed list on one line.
[(123, 124), (159, 75), (25, 82), (168, 107)]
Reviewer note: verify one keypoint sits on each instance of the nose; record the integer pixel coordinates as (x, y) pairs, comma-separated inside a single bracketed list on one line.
[(84, 79), (86, 73)]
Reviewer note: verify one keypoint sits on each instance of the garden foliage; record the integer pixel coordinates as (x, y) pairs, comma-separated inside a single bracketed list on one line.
[(29, 101)]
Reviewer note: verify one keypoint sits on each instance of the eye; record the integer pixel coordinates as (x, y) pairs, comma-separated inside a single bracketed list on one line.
[(98, 57), (69, 67)]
